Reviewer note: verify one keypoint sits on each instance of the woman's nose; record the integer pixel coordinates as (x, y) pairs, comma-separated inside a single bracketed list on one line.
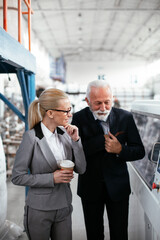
[(69, 114)]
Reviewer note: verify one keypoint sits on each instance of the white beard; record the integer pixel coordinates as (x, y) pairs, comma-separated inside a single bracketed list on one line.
[(102, 117)]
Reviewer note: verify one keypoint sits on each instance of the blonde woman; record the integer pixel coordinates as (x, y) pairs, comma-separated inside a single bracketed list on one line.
[(50, 139)]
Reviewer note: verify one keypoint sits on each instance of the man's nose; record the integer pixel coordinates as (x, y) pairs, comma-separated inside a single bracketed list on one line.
[(103, 107)]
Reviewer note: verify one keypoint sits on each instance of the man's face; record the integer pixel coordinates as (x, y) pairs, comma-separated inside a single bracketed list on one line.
[(100, 102)]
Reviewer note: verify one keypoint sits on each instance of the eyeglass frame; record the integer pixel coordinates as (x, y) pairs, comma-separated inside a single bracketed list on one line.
[(59, 110)]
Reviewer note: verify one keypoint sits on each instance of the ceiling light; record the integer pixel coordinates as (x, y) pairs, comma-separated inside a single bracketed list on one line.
[(80, 31), (79, 18), (79, 15)]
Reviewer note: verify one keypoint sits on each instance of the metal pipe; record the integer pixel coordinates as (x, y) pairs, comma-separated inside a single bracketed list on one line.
[(28, 4), (5, 15), (22, 83), (19, 22), (12, 107), (32, 91), (24, 12), (29, 24), (27, 12)]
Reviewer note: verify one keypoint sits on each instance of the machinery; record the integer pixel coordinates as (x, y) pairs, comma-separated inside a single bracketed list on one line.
[(145, 173), (3, 188)]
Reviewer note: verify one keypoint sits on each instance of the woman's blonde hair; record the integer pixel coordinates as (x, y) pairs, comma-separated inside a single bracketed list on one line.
[(49, 99)]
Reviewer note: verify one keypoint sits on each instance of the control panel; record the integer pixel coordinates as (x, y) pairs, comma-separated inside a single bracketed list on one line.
[(155, 157)]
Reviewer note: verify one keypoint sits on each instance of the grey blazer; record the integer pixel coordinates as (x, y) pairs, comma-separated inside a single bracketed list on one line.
[(35, 154)]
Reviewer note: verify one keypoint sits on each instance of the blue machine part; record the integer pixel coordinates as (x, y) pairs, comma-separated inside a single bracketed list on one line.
[(14, 58)]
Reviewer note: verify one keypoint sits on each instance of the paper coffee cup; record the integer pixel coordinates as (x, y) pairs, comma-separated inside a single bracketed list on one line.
[(67, 165)]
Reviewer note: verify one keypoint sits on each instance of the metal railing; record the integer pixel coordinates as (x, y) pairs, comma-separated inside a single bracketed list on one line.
[(29, 12)]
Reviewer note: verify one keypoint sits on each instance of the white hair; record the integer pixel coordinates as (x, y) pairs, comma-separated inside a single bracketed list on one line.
[(97, 84)]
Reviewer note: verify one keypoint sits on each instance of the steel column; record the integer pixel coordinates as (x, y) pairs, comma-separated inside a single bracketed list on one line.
[(22, 82), (30, 83), (12, 107)]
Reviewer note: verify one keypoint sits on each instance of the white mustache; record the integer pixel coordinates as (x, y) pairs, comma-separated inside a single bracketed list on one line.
[(102, 112)]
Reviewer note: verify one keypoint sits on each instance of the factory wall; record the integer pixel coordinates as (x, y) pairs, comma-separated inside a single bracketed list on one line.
[(117, 73)]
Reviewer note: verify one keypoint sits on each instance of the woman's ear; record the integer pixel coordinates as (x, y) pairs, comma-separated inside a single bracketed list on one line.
[(50, 113)]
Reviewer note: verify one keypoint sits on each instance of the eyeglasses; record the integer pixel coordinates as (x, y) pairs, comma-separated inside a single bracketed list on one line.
[(58, 110)]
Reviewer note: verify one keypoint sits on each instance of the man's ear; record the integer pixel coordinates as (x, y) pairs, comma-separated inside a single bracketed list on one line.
[(86, 99)]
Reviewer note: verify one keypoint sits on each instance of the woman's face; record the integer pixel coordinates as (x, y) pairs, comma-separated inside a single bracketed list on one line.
[(62, 118)]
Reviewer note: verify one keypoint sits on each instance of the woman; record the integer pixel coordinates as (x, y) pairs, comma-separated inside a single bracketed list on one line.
[(50, 139)]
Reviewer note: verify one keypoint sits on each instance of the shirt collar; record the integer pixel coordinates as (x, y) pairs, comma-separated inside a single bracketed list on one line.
[(47, 133)]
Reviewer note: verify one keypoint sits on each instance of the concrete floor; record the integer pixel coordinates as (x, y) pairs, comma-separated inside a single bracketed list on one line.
[(16, 197)]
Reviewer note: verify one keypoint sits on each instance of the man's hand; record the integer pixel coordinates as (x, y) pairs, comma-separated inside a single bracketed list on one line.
[(112, 145)]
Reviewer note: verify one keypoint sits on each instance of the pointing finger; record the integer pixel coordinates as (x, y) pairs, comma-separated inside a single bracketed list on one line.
[(111, 135)]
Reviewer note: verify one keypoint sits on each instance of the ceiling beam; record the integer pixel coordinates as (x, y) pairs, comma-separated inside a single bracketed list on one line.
[(100, 9)]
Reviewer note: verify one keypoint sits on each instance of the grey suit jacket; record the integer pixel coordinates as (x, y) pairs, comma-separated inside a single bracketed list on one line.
[(35, 154)]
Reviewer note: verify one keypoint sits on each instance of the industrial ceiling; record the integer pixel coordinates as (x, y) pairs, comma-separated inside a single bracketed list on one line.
[(99, 30)]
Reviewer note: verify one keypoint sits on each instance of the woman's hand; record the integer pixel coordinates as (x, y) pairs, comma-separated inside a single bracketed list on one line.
[(62, 176), (72, 131)]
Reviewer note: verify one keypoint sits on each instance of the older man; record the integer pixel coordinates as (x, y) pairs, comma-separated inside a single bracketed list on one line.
[(110, 138)]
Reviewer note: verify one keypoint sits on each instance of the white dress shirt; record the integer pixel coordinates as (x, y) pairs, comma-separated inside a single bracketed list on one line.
[(54, 143)]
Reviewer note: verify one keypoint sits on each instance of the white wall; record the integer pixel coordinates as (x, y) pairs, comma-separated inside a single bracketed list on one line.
[(123, 74), (126, 78)]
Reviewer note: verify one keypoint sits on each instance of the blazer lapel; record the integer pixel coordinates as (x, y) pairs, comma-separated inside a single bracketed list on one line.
[(45, 148), (49, 156), (64, 138)]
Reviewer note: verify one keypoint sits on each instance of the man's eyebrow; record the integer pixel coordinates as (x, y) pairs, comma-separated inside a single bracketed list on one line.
[(103, 101)]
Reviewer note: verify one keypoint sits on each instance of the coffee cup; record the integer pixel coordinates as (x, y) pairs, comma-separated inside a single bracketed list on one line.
[(67, 165)]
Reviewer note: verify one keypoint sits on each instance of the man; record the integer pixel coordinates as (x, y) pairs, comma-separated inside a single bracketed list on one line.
[(108, 144)]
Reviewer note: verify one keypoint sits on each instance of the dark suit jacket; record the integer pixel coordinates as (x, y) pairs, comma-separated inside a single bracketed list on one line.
[(101, 165)]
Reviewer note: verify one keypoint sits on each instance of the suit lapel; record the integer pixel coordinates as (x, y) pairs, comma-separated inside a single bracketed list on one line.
[(96, 128), (113, 122)]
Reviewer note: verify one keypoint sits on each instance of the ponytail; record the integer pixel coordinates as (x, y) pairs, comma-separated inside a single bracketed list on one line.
[(33, 114)]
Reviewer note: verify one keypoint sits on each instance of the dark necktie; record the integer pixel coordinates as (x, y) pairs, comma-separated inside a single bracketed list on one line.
[(99, 122)]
